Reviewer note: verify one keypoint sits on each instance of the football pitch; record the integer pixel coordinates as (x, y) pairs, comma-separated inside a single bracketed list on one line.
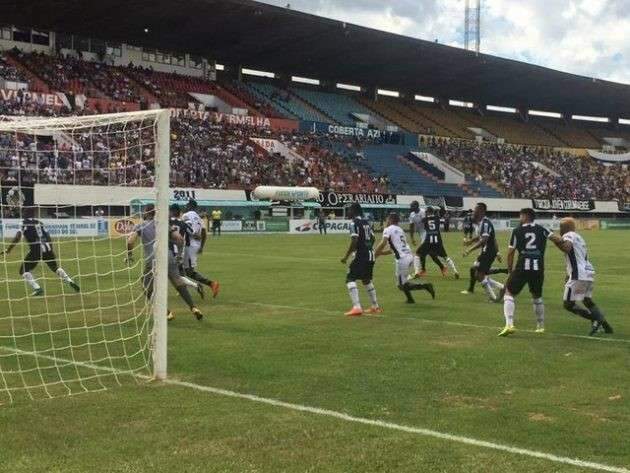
[(276, 379)]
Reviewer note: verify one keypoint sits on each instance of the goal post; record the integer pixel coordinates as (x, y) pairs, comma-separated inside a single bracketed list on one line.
[(162, 198), (55, 340)]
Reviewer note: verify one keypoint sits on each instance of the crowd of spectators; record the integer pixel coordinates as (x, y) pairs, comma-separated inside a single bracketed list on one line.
[(169, 89), (73, 75), (535, 172), (203, 154), (224, 156), (9, 72), (113, 155)]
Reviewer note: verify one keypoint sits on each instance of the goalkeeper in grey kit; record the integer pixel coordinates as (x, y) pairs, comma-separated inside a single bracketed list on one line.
[(147, 234)]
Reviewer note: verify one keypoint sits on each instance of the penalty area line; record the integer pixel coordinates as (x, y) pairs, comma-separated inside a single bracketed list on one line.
[(347, 417)]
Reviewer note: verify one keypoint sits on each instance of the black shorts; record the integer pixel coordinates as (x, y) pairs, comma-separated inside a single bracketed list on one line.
[(216, 224), (35, 255), (533, 279), (485, 262), (361, 269), (432, 249), (468, 231)]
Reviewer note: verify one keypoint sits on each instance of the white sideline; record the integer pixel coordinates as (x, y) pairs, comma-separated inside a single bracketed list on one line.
[(349, 418), (434, 321)]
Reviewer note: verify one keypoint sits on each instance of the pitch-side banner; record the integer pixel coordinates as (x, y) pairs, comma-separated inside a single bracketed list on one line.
[(564, 205), (58, 227), (305, 227), (341, 199)]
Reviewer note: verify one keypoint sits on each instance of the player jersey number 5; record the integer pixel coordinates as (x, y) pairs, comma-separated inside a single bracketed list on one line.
[(433, 239)]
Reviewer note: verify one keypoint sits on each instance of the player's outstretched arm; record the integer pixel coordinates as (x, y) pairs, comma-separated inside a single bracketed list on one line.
[(479, 242), (380, 249), (16, 240), (471, 241), (563, 245)]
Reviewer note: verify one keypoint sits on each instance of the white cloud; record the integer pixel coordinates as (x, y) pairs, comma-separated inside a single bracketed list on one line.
[(587, 37)]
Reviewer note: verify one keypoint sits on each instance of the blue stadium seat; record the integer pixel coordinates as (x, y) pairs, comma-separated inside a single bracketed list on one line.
[(386, 159), (337, 106), (284, 103)]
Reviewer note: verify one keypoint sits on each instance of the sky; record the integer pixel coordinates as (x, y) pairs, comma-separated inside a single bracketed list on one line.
[(586, 37)]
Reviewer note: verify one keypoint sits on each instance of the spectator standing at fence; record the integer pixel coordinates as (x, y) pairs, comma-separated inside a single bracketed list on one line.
[(321, 222)]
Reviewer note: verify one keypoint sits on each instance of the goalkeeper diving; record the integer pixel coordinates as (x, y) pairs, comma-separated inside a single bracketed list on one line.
[(147, 234)]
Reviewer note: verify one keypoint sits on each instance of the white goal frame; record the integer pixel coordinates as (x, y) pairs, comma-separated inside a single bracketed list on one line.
[(161, 188)]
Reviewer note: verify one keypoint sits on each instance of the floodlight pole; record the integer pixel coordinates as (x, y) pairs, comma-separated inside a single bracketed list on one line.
[(472, 27)]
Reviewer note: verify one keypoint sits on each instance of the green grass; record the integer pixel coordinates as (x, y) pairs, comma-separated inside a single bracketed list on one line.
[(277, 331)]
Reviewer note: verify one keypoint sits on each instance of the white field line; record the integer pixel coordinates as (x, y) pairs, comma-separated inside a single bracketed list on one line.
[(357, 420), (609, 272), (430, 321)]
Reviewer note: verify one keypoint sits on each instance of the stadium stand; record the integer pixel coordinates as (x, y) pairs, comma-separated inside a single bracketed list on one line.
[(169, 89), (390, 160), (491, 169), (240, 90), (73, 75), (534, 172), (285, 102), (511, 128), (339, 107), (571, 135)]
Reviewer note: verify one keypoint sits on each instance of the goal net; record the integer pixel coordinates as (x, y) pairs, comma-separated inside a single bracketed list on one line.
[(76, 314)]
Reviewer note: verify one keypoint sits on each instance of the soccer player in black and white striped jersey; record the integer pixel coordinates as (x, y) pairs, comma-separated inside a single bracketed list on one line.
[(487, 242), (530, 241), (40, 249), (362, 266)]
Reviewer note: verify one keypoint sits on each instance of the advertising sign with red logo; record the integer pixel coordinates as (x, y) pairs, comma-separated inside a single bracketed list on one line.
[(122, 226)]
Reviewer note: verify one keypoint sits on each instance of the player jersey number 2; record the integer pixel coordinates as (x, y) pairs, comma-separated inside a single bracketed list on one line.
[(531, 264), (531, 241)]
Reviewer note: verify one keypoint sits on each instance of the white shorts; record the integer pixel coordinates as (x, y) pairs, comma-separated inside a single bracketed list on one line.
[(403, 267), (576, 291), (191, 254)]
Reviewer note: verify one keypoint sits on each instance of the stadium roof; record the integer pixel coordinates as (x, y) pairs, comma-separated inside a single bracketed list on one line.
[(260, 36)]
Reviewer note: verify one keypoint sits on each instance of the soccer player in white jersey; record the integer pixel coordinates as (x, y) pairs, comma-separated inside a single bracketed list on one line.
[(580, 276), (394, 242), (416, 226), (194, 247)]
